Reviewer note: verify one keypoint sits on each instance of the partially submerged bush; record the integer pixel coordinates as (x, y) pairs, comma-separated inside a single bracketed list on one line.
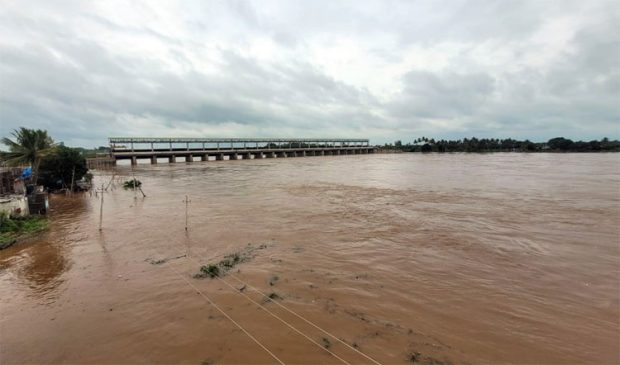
[(131, 184), (210, 270), (227, 263)]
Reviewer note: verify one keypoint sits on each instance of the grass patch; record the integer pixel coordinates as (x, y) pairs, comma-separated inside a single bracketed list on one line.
[(12, 229)]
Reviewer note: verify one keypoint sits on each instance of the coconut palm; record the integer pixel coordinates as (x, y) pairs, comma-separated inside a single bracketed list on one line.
[(27, 147)]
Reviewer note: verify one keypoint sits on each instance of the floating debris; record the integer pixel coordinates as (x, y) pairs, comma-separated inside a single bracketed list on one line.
[(273, 280), (163, 261), (326, 343)]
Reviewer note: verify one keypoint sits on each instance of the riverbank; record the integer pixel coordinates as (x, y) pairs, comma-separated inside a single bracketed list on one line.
[(18, 229)]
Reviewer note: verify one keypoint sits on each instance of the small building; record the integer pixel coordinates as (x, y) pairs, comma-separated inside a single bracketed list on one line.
[(18, 199)]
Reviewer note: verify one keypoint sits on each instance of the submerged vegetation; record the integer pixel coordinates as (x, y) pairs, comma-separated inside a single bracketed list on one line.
[(12, 229), (218, 269), (133, 183), (474, 144)]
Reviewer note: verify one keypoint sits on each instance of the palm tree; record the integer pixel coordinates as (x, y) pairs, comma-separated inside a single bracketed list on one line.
[(28, 147)]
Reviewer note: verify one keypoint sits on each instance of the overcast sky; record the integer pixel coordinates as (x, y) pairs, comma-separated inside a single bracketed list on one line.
[(383, 70)]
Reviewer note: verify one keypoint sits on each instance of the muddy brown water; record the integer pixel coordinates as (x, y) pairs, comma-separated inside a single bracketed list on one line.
[(452, 258)]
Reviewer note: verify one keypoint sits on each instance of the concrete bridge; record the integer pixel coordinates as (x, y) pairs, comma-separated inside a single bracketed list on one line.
[(206, 149)]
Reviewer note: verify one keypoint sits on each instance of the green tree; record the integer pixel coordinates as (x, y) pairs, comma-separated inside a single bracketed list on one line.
[(58, 169), (29, 146), (560, 143)]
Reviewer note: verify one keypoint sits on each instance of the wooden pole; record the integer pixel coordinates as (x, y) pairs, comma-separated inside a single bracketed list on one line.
[(101, 211), (134, 183), (72, 179), (186, 210)]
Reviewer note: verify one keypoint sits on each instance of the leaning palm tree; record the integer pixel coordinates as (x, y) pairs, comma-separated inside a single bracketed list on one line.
[(28, 147)]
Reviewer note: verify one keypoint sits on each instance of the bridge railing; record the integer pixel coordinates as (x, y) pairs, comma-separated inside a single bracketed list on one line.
[(129, 143)]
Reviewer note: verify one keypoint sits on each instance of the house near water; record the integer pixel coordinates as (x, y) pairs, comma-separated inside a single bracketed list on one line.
[(18, 196)]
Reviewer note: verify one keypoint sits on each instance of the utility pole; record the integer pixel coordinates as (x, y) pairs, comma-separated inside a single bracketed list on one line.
[(101, 209), (186, 201), (72, 179)]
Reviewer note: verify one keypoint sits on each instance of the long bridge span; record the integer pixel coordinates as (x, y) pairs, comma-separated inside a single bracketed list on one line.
[(206, 149)]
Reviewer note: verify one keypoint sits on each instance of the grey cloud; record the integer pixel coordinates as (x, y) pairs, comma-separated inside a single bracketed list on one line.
[(60, 70)]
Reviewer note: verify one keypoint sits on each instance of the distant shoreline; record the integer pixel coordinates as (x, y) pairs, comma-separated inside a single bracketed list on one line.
[(484, 145), (388, 151)]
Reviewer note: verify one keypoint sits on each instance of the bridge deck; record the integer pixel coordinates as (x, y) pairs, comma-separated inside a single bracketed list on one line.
[(232, 148)]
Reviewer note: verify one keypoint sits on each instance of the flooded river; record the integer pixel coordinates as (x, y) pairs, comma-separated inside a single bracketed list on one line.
[(389, 259)]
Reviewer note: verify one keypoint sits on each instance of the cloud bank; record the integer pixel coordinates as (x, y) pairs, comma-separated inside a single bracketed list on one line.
[(383, 70)]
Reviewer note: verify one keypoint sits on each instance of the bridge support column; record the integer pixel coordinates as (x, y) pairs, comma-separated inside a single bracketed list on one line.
[(134, 161), (234, 156), (172, 159), (189, 158), (219, 157), (154, 160), (259, 155), (271, 155), (303, 153), (204, 158)]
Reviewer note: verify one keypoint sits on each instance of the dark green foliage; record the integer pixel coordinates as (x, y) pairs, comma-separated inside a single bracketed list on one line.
[(210, 271), (228, 262), (133, 183), (28, 147), (474, 144), (57, 168), (274, 296)]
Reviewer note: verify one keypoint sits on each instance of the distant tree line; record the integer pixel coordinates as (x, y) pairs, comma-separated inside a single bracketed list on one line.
[(558, 144)]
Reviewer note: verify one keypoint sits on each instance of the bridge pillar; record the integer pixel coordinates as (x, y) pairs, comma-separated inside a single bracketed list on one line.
[(204, 157), (322, 152), (233, 156), (134, 160), (303, 153), (293, 154), (154, 160), (259, 155), (189, 158), (172, 159), (270, 155), (219, 157)]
